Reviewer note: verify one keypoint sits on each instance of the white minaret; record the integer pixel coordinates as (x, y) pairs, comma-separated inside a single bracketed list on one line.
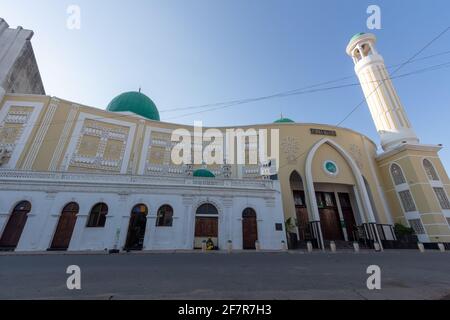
[(384, 104)]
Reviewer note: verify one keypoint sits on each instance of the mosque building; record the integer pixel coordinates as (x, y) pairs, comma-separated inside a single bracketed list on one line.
[(79, 178)]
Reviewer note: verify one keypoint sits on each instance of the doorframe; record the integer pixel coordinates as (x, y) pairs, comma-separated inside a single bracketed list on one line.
[(219, 218), (128, 224), (242, 224), (11, 211), (58, 216)]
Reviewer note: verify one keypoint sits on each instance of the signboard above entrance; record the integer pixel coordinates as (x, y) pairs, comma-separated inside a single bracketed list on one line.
[(323, 132)]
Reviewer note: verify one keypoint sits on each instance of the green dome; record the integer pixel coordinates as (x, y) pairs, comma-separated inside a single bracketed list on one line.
[(203, 173), (284, 120), (357, 35), (135, 102)]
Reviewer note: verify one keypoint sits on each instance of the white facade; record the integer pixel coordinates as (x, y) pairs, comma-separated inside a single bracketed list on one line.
[(48, 193)]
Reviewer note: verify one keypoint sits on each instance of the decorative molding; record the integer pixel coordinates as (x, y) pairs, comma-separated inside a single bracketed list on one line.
[(19, 145), (104, 134), (65, 134), (290, 147), (40, 134)]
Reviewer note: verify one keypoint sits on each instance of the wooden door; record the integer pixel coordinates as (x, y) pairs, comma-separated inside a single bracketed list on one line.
[(249, 229), (14, 228), (206, 227), (66, 224), (330, 223), (303, 223), (136, 231)]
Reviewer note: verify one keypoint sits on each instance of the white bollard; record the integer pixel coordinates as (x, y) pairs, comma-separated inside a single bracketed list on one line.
[(376, 246), (421, 247), (333, 246), (441, 247), (356, 247), (229, 246), (204, 245), (309, 246), (283, 245), (257, 245)]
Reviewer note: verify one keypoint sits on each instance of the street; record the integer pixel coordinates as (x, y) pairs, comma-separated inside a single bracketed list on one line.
[(406, 274)]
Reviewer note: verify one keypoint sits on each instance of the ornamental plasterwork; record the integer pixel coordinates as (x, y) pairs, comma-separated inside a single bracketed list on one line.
[(100, 147), (290, 148), (11, 130), (356, 153)]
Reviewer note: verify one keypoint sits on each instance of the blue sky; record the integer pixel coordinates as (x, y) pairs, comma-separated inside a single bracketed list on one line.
[(194, 52)]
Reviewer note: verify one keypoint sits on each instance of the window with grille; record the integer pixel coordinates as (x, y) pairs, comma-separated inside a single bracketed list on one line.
[(299, 198), (165, 216), (442, 197), (416, 224), (397, 174), (97, 216), (430, 171), (407, 201)]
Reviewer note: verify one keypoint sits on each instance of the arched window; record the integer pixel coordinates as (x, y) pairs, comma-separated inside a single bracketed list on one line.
[(97, 216), (165, 216), (430, 171), (207, 209), (249, 213), (397, 174), (296, 183), (23, 206)]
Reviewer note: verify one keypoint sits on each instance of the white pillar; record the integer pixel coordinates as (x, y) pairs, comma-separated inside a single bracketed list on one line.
[(341, 216)]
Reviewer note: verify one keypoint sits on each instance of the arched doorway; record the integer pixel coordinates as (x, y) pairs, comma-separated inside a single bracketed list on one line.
[(249, 229), (66, 224), (301, 210), (136, 228), (16, 223), (206, 225)]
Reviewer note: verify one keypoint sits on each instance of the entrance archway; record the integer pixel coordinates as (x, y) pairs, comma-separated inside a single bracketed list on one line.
[(136, 228), (15, 225), (365, 207), (249, 229), (206, 225), (66, 224)]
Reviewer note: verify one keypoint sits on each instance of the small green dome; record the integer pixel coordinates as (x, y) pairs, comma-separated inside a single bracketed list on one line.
[(357, 35), (203, 173), (135, 102), (284, 120)]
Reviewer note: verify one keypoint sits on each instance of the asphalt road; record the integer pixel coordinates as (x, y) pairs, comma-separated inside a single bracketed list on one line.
[(293, 275)]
